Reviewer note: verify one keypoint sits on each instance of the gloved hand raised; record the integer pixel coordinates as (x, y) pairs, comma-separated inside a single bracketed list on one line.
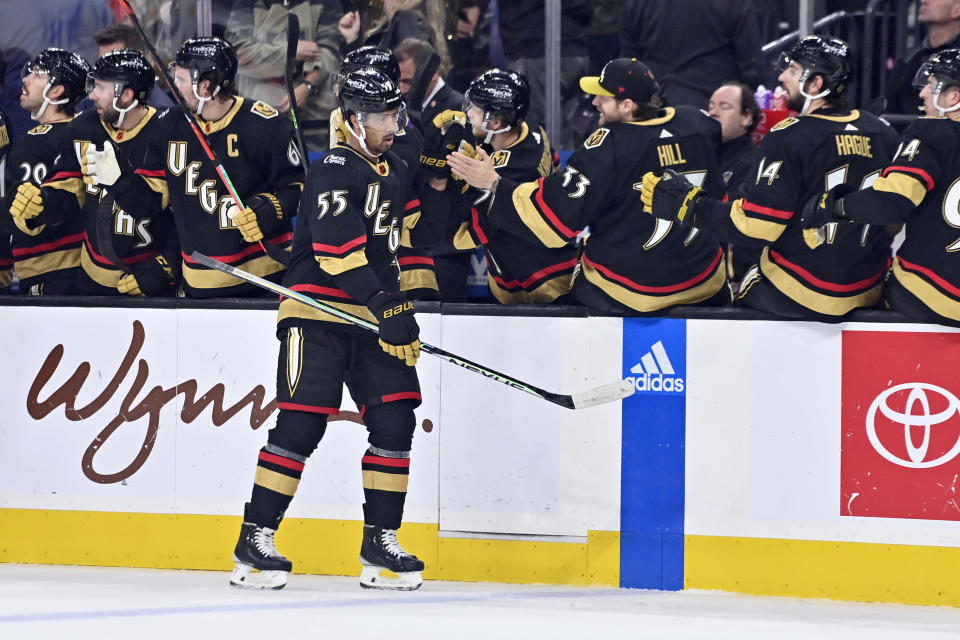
[(100, 167), (447, 132), (399, 333)]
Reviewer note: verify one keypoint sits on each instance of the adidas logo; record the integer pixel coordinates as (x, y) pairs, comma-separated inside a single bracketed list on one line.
[(655, 372)]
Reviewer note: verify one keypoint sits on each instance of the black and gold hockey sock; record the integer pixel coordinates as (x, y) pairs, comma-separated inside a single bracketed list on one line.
[(385, 475), (278, 475)]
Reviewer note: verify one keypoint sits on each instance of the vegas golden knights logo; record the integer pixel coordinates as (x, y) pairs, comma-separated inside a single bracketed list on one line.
[(596, 138), (500, 158), (264, 110)]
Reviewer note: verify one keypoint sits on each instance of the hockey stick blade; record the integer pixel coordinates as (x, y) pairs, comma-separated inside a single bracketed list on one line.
[(606, 393), (603, 394)]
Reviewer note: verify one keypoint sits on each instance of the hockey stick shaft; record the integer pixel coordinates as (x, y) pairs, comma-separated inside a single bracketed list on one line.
[(606, 393), (276, 253), (293, 39)]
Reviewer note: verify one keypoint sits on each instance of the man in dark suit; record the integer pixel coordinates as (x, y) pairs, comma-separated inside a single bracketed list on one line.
[(439, 96)]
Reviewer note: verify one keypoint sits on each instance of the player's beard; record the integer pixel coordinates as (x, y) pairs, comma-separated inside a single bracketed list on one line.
[(109, 115), (794, 102)]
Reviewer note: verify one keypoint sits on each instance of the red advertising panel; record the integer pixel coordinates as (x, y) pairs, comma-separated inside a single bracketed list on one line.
[(900, 423)]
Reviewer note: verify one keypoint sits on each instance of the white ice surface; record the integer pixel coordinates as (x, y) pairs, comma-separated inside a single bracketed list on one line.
[(39, 602)]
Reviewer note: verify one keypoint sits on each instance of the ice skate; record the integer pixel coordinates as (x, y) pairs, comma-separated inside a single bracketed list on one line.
[(258, 563), (385, 563)]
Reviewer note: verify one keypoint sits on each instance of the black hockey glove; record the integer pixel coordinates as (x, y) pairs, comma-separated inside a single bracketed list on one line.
[(821, 210), (399, 333), (670, 197), (449, 131), (154, 277), (826, 207)]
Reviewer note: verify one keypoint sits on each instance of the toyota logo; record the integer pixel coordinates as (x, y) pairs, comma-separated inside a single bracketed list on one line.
[(918, 395)]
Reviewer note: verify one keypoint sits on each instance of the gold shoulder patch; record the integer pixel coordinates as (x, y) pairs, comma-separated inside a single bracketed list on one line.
[(500, 158), (264, 110), (783, 124), (596, 138), (39, 131)]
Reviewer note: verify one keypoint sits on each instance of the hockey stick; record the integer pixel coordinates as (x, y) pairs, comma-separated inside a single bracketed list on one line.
[(293, 38), (276, 253), (104, 224), (598, 395), (427, 65)]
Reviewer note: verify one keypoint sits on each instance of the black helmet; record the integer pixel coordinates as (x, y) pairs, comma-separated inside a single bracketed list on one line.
[(368, 90), (500, 93), (209, 58), (125, 68), (944, 66), (64, 68), (371, 56), (824, 56)]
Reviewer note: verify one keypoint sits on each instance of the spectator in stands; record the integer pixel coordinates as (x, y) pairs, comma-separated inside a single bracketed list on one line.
[(735, 108), (258, 30), (121, 36), (398, 20), (467, 41), (689, 44), (439, 96), (521, 25), (942, 20)]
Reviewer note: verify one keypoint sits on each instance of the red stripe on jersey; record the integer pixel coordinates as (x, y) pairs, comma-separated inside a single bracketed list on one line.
[(290, 406), (386, 462), (340, 249), (128, 260), (151, 173), (547, 211), (475, 219), (280, 460), (926, 177), (413, 204), (569, 264), (254, 248), (324, 291), (403, 262), (48, 246), (6, 263), (726, 198), (823, 284), (403, 395), (767, 211), (62, 175), (939, 281), (667, 289)]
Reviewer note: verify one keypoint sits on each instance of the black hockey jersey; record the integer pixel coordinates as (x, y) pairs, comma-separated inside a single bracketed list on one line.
[(641, 262), (256, 146), (6, 257), (131, 235), (519, 271), (921, 186), (798, 159), (57, 247), (356, 213)]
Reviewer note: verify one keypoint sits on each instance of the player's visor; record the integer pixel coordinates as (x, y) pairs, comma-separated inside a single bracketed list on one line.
[(389, 121), (926, 71), (32, 67), (783, 62)]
